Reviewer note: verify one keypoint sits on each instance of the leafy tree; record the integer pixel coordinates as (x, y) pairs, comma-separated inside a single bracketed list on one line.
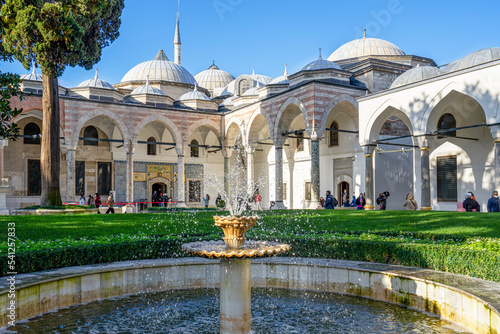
[(55, 34)]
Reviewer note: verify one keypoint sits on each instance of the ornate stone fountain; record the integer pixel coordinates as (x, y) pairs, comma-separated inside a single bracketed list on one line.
[(235, 281)]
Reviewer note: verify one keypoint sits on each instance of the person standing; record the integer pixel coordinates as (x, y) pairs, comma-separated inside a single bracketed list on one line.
[(82, 200), (329, 201), (206, 200), (154, 199), (90, 201), (97, 202), (258, 200), (410, 203), (494, 203), (382, 199), (110, 202), (470, 204), (360, 202)]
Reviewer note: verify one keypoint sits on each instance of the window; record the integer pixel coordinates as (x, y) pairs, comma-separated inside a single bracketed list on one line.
[(151, 147), (34, 177), (447, 179), (194, 190), (243, 86), (31, 129), (284, 191), (79, 177), (91, 136), (300, 142), (195, 150), (447, 121), (334, 135), (104, 177), (307, 195)]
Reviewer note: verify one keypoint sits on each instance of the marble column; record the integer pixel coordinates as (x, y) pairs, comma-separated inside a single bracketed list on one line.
[(425, 181), (497, 164), (226, 175), (315, 186), (250, 172), (181, 192), (369, 177), (278, 179), (4, 182), (70, 176), (130, 182)]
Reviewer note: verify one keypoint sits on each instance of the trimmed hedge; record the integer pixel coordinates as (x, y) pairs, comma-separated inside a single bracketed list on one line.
[(480, 264)]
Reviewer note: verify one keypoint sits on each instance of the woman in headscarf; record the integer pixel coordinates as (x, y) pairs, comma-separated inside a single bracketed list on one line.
[(410, 203)]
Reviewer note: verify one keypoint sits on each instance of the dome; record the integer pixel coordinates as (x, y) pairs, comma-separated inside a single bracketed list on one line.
[(281, 80), (253, 91), (320, 64), (32, 76), (257, 78), (147, 89), (96, 83), (475, 58), (416, 74), (194, 95), (160, 68), (366, 47), (229, 102), (213, 78)]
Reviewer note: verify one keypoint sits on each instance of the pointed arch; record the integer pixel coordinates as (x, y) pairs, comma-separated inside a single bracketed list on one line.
[(377, 119), (333, 102), (282, 119), (171, 126)]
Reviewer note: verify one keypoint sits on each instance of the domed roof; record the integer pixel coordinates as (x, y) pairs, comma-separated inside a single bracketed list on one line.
[(320, 64), (213, 78), (32, 76), (257, 78), (229, 102), (475, 58), (416, 74), (147, 89), (253, 91), (160, 68), (282, 79), (366, 47), (96, 83), (194, 95)]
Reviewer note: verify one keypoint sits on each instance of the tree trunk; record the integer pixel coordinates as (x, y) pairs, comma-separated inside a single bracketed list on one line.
[(51, 151)]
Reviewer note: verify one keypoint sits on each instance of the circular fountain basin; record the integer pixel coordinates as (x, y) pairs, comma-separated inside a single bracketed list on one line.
[(251, 249)]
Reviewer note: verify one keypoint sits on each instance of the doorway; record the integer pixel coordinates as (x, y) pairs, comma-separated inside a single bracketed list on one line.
[(341, 187), (158, 188)]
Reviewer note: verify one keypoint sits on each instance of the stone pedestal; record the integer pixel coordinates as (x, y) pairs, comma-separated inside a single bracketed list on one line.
[(278, 169), (425, 180), (235, 293)]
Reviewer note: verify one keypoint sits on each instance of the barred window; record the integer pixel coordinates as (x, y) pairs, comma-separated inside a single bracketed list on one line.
[(334, 135), (151, 147), (447, 179), (34, 177), (33, 130), (91, 136), (447, 121)]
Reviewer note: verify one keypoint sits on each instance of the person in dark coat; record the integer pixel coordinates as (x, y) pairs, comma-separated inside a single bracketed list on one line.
[(382, 199), (494, 203), (471, 205), (329, 201)]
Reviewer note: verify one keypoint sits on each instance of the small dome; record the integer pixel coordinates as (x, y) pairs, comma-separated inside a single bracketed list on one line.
[(229, 102), (281, 80), (213, 78), (147, 89), (96, 83), (32, 76), (320, 64), (160, 68), (416, 74), (194, 95), (257, 78), (475, 58), (253, 91), (365, 47)]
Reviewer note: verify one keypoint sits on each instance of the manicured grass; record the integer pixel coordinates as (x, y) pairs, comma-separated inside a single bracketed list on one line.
[(465, 243)]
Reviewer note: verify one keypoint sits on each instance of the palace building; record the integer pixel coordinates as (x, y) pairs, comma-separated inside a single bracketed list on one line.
[(369, 118)]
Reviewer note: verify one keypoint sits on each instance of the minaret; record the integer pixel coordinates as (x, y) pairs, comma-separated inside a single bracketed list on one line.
[(177, 43)]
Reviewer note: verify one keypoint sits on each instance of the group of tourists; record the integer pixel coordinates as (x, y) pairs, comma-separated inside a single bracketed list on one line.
[(470, 204), (330, 202), (96, 201), (160, 199)]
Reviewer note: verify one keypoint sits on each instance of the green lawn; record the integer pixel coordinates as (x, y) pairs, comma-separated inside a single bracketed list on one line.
[(411, 238)]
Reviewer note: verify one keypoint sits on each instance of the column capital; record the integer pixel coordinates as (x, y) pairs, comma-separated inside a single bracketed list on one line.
[(496, 141), (422, 149), (369, 149), (180, 150)]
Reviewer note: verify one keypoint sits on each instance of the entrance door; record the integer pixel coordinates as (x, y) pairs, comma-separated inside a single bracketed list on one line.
[(159, 188), (343, 186)]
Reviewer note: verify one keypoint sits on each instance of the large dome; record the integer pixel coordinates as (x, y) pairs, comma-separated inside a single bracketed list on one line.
[(475, 58), (416, 74), (96, 83), (365, 47), (213, 78), (160, 68)]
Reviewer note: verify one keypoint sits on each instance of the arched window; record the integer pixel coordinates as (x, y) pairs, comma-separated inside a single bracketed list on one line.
[(31, 129), (195, 150), (151, 147), (243, 86), (91, 136), (334, 135), (447, 121)]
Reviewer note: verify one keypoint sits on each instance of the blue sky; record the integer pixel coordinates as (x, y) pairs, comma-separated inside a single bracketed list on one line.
[(265, 34)]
